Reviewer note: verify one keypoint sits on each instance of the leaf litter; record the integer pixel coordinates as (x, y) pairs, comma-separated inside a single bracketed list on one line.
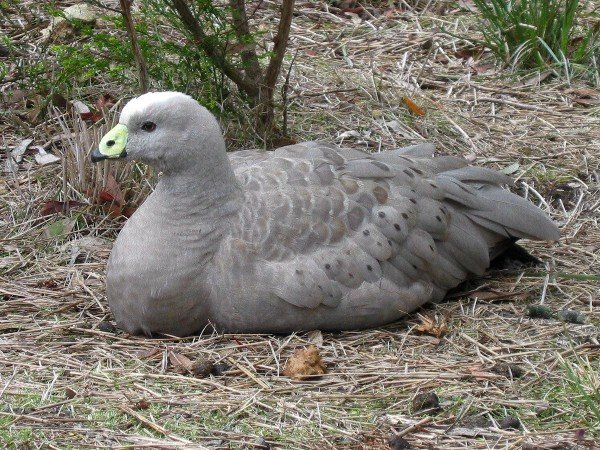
[(48, 301)]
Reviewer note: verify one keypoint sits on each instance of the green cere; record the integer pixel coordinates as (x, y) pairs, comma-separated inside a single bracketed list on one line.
[(113, 143)]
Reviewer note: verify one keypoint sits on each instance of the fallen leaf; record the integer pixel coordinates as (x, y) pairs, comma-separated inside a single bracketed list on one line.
[(70, 393), (442, 59), (16, 155), (587, 101), (315, 337), (180, 363), (141, 404), (59, 228), (55, 207), (43, 157), (585, 96), (467, 53), (128, 211), (80, 107), (148, 352), (584, 92), (113, 210), (112, 191), (470, 157), (349, 134), (483, 68), (105, 101), (435, 327), (413, 107), (508, 170), (91, 116), (304, 364)]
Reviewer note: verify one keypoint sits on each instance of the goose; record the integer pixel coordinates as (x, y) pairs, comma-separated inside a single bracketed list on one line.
[(308, 236)]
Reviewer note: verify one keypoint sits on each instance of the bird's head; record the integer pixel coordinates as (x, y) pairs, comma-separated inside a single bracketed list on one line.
[(167, 130)]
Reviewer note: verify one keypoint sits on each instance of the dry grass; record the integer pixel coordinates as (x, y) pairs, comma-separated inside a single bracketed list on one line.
[(67, 380)]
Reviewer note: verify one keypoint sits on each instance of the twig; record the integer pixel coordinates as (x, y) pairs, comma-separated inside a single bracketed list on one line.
[(135, 46), (280, 42), (127, 410), (213, 52), (284, 95)]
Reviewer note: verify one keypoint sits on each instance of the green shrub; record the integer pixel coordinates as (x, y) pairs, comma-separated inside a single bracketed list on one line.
[(540, 34), (107, 56)]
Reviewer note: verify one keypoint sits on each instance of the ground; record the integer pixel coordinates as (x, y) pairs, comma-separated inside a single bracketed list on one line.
[(504, 377)]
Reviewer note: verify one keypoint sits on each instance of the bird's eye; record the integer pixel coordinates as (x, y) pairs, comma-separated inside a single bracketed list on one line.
[(149, 126)]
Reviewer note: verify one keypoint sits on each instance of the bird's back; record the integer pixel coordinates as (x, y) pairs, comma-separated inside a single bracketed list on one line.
[(337, 238)]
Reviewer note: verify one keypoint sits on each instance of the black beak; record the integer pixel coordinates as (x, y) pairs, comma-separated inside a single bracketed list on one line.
[(97, 156)]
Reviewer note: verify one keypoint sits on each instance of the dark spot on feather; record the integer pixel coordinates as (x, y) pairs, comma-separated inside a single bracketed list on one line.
[(389, 242), (397, 226), (405, 216), (439, 219), (327, 266), (419, 171), (381, 165), (330, 295), (366, 200), (381, 214), (412, 200), (298, 272), (409, 173), (338, 230), (379, 244), (332, 156), (430, 248), (324, 173), (369, 267), (355, 217), (413, 191), (351, 275), (380, 194), (350, 186), (414, 267), (433, 185), (366, 232), (320, 287)]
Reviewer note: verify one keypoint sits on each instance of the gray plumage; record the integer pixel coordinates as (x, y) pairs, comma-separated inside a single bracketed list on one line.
[(309, 236)]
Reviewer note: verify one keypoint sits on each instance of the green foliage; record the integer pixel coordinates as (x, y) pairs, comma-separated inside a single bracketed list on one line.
[(173, 62), (540, 34)]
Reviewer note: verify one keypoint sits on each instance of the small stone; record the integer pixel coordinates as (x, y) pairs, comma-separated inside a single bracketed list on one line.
[(202, 368), (262, 444), (106, 326), (219, 369), (571, 316), (475, 422), (539, 312), (510, 423), (426, 402), (508, 370), (398, 443)]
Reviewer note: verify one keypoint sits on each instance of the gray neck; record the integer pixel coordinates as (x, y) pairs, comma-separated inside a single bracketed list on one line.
[(196, 209)]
